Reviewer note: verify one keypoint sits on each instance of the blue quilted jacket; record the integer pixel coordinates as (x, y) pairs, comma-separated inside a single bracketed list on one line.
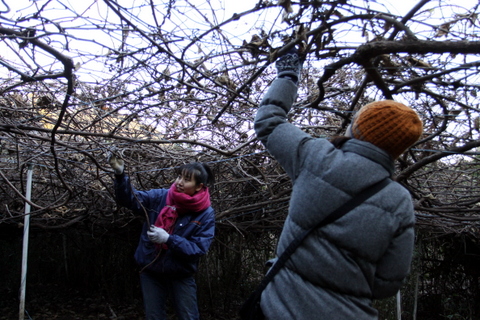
[(191, 239)]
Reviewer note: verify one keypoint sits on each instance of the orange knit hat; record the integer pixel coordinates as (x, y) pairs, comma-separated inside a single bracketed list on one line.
[(389, 125)]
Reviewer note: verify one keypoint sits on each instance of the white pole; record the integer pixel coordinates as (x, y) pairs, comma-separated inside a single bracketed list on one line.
[(415, 302), (26, 229), (399, 306)]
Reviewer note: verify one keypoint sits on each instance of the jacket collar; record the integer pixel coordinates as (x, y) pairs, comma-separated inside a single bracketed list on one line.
[(371, 152)]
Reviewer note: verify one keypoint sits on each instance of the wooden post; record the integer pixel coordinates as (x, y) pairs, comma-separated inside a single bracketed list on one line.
[(26, 230)]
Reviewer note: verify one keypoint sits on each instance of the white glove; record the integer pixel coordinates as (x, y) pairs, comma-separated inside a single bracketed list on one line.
[(157, 235), (116, 163)]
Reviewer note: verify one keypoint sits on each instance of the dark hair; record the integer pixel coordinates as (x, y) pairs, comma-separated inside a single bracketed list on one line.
[(200, 171)]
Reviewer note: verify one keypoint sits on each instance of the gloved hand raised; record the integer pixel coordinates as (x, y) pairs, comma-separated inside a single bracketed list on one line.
[(289, 65), (117, 164), (157, 235)]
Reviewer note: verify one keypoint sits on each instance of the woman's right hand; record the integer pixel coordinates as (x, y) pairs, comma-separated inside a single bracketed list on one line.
[(289, 65)]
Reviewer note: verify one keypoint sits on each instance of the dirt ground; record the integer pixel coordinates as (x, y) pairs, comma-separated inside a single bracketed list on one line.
[(78, 308), (73, 309)]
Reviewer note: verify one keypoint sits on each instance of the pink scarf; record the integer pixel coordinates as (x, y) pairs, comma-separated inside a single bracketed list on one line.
[(179, 203)]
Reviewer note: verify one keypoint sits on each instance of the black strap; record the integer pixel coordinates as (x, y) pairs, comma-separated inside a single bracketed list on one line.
[(340, 212)]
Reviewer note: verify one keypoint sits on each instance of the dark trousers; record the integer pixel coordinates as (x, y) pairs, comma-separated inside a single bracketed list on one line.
[(157, 288)]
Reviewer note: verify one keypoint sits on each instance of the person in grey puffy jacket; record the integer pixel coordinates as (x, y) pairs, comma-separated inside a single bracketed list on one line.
[(339, 269)]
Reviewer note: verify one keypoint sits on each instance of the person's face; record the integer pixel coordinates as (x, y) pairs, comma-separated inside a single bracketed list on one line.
[(348, 132), (186, 184)]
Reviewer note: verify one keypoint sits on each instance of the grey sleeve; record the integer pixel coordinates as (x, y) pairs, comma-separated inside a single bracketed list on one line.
[(274, 107), (281, 138), (394, 266)]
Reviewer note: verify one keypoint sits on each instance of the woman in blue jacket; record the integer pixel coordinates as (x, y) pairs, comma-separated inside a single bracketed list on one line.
[(179, 230)]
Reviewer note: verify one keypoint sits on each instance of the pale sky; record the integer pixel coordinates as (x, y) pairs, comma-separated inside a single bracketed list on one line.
[(184, 25)]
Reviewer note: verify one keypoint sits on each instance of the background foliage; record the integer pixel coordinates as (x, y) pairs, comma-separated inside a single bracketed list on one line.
[(168, 82)]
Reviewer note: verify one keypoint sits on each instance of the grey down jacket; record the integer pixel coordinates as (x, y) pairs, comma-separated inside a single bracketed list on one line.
[(339, 269)]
